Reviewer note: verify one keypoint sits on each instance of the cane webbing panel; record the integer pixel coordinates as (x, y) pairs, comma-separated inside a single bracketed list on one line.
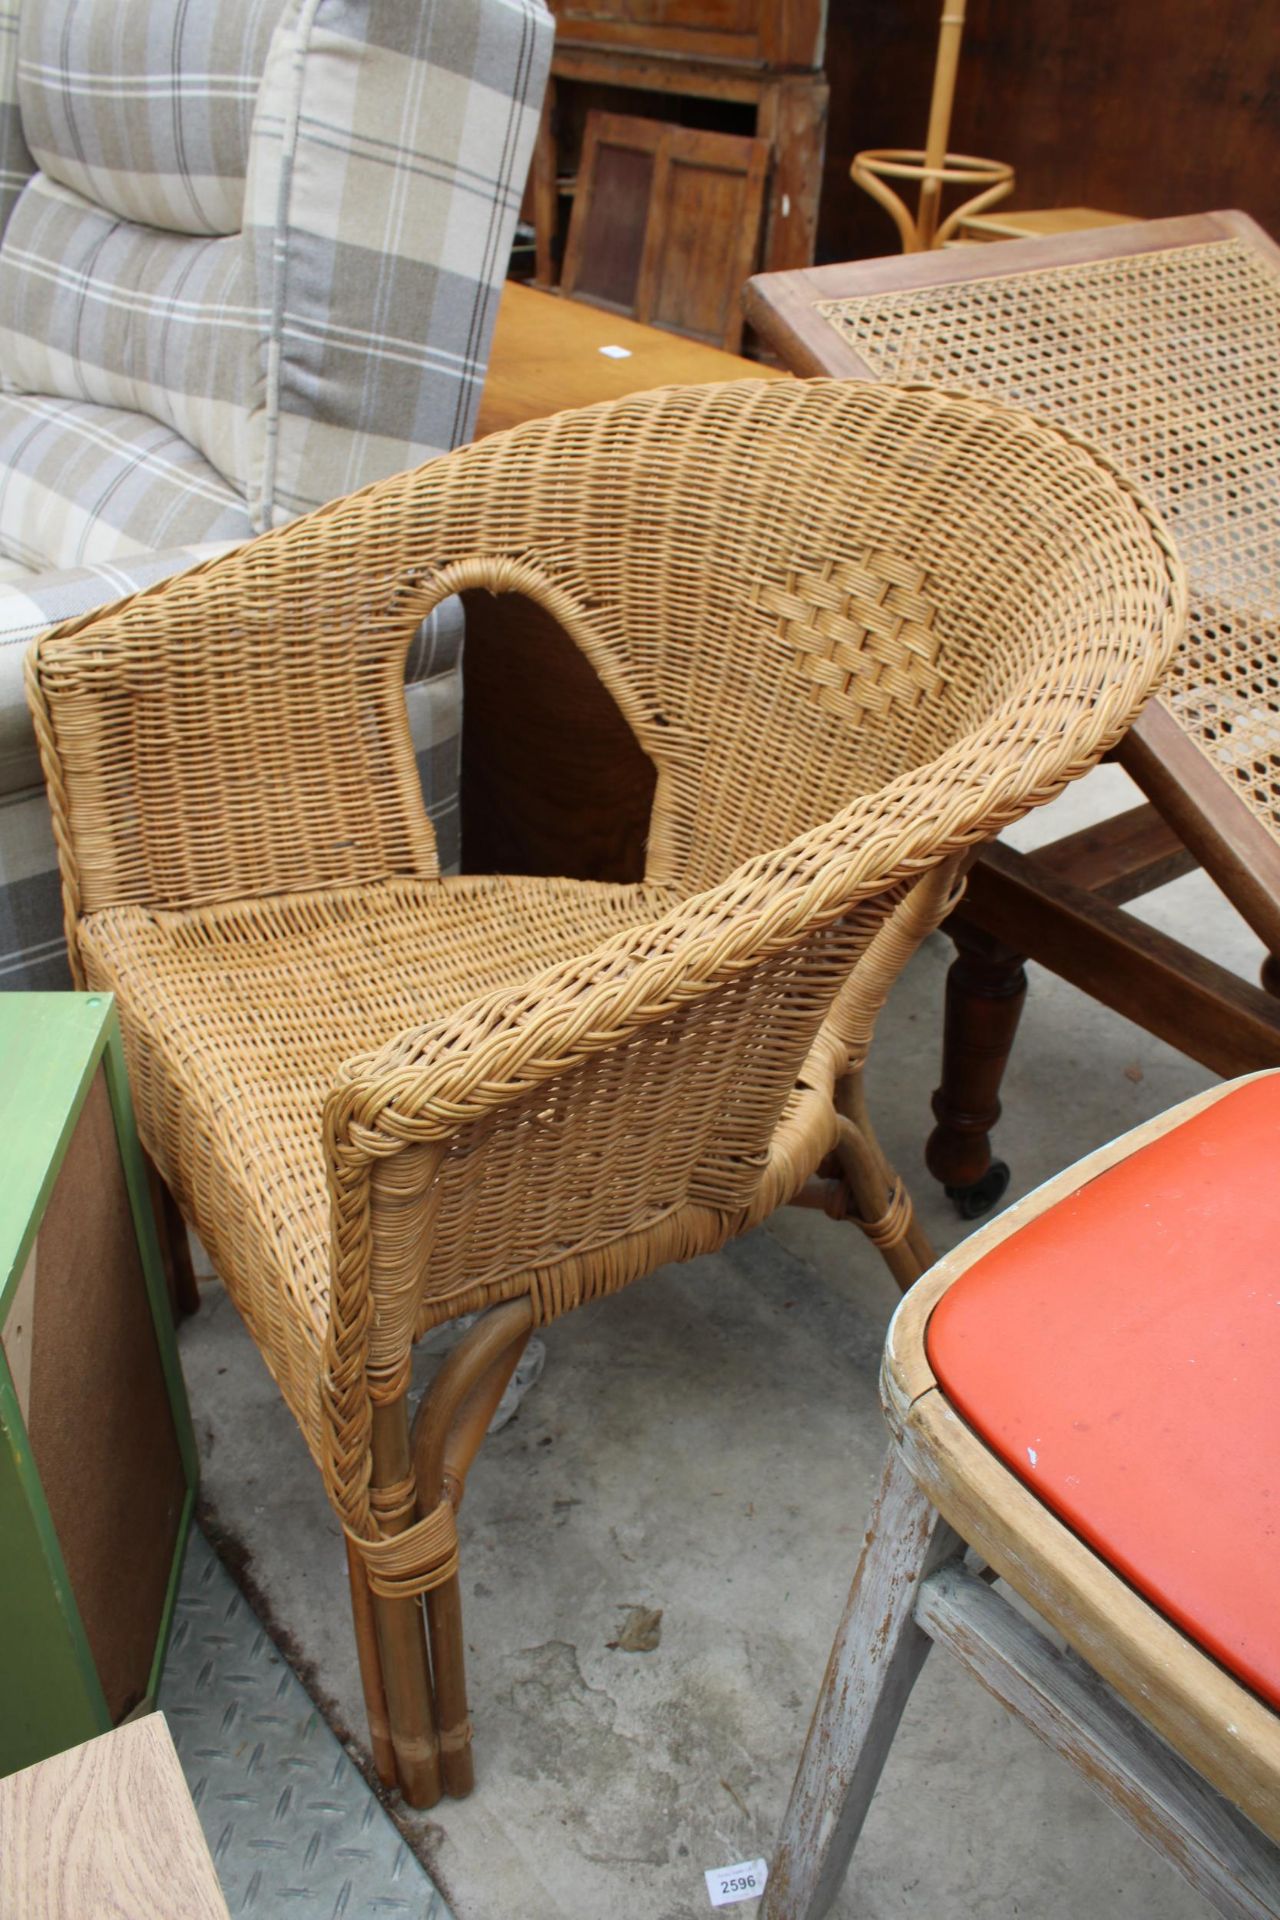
[(1167, 361)]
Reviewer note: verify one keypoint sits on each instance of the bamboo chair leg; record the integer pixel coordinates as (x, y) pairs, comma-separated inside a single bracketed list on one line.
[(882, 1205), (375, 1693), (402, 1642), (878, 1653), (448, 1432)]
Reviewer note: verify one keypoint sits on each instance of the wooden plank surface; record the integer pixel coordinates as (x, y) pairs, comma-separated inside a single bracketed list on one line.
[(1199, 800), (702, 234), (547, 356), (107, 1828), (771, 33), (1119, 859), (1032, 223)]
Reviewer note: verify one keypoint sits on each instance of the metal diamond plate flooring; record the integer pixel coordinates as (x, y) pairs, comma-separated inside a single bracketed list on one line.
[(293, 1829)]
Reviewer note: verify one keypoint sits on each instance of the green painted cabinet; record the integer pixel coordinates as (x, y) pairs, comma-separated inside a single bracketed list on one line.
[(97, 1456)]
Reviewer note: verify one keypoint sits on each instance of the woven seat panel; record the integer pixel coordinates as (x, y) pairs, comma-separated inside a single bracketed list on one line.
[(236, 1022), (1167, 362)]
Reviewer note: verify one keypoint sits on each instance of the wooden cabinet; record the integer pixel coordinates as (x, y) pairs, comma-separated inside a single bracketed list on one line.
[(97, 1456), (766, 33), (750, 67)]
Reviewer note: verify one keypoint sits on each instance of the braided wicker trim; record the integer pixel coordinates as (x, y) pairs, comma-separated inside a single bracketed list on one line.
[(892, 1224), (407, 1564)]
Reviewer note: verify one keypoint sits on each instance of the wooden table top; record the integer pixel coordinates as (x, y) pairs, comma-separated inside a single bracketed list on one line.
[(1034, 223), (107, 1828), (547, 356)]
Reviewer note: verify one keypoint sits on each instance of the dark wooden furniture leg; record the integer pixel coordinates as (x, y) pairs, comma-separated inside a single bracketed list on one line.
[(1064, 905), (986, 987)]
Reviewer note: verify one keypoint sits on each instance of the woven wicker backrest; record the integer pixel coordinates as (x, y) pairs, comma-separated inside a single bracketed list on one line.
[(632, 1087), (794, 591)]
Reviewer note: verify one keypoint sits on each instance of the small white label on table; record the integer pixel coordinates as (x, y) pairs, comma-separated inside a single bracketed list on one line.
[(616, 353), (725, 1885)]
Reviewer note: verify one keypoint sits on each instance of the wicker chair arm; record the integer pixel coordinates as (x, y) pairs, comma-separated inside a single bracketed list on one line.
[(240, 729), (697, 1015)]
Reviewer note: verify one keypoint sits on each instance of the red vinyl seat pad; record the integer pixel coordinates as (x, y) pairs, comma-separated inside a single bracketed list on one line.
[(1121, 1354)]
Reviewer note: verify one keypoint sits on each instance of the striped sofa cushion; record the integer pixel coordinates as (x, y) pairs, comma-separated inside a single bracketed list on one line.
[(16, 164), (104, 310), (332, 326), (81, 484), (389, 155), (143, 107)]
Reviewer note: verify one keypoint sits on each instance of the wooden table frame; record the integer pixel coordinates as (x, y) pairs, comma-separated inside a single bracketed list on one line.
[(1064, 904)]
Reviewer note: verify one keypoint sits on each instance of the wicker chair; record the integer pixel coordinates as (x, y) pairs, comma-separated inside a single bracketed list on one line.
[(856, 630)]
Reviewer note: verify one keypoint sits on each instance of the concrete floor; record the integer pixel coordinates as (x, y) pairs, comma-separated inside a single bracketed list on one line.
[(708, 1444)]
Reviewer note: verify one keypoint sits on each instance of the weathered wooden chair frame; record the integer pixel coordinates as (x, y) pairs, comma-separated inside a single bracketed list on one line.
[(233, 787), (1205, 1793), (1063, 904)]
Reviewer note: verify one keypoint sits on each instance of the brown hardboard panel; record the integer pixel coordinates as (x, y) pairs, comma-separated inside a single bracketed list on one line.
[(101, 1431)]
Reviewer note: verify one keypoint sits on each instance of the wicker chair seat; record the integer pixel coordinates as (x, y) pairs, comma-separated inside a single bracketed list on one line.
[(241, 1019)]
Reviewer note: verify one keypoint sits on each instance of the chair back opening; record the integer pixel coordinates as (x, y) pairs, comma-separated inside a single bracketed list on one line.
[(554, 780)]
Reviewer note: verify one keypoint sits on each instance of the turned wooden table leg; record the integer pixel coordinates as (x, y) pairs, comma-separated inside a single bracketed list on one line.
[(986, 987), (1271, 975)]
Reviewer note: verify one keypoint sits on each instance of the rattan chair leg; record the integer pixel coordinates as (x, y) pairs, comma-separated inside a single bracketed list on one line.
[(878, 1652), (375, 1693), (448, 1432), (402, 1642), (881, 1204)]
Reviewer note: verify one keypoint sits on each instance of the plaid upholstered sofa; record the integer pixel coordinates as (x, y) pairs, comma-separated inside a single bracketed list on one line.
[(250, 259)]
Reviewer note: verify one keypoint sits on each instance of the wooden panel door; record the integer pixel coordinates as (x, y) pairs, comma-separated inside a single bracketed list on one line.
[(666, 224)]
